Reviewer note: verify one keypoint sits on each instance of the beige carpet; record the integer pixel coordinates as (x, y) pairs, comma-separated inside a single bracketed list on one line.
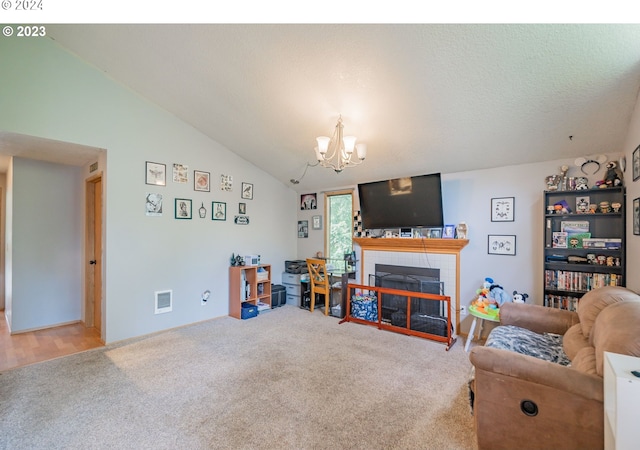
[(286, 379)]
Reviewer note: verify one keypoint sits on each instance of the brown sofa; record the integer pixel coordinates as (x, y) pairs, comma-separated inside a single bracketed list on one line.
[(521, 401)]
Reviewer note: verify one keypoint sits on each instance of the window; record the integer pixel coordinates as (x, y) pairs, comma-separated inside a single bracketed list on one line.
[(339, 223)]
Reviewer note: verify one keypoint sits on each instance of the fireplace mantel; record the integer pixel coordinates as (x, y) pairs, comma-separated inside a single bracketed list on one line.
[(429, 245)]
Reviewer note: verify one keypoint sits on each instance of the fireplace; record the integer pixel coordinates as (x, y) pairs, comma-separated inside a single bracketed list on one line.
[(443, 254), (414, 279)]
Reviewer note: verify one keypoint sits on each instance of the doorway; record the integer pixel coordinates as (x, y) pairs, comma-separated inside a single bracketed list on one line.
[(93, 254)]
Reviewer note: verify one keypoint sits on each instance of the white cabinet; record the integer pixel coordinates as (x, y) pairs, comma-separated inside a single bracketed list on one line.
[(621, 402)]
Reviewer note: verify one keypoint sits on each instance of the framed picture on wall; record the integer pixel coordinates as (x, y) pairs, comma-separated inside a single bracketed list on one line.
[(154, 204), (183, 208), (636, 163), (303, 228), (501, 244), (218, 211), (316, 222), (156, 173), (180, 173), (502, 209), (308, 201), (201, 181), (636, 216), (247, 191)]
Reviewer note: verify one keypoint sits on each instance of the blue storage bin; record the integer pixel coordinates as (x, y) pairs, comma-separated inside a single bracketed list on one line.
[(248, 310)]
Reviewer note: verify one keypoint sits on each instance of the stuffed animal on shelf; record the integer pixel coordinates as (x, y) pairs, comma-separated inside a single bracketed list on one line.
[(613, 177), (519, 297)]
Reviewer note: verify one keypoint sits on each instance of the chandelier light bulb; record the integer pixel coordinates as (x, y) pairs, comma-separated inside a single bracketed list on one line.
[(323, 144), (361, 150), (349, 144)]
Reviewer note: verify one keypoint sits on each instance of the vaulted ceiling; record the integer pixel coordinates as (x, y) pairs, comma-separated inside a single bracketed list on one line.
[(424, 98)]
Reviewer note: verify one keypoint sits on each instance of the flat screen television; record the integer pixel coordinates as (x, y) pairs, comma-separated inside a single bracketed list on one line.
[(402, 203)]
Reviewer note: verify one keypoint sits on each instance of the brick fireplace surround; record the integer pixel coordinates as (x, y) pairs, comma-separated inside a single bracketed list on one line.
[(443, 254)]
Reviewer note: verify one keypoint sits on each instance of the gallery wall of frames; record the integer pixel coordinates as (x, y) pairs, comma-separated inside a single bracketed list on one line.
[(216, 208)]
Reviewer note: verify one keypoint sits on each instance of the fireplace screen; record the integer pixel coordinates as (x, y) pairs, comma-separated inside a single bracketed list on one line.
[(428, 316)]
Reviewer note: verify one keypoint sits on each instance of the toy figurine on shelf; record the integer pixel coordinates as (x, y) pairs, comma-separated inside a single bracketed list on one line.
[(237, 260), (462, 230)]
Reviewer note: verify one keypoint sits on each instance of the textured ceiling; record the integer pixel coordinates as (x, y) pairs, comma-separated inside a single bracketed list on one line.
[(425, 98)]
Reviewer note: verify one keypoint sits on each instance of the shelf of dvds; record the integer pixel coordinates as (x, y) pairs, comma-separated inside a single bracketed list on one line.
[(584, 243)]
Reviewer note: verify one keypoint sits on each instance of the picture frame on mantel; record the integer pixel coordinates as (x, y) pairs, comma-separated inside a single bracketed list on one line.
[(449, 232)]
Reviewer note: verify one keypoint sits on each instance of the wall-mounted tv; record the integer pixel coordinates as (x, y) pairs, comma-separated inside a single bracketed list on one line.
[(402, 202)]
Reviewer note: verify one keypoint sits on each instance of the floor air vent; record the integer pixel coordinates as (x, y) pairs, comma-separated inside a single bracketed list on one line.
[(164, 301)]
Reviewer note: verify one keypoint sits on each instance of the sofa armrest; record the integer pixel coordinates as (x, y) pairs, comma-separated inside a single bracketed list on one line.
[(540, 319), (538, 371)]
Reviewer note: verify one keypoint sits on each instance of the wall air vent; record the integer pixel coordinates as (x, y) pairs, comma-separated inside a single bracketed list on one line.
[(164, 301)]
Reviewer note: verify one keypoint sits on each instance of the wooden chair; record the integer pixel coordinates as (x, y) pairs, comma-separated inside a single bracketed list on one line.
[(319, 280)]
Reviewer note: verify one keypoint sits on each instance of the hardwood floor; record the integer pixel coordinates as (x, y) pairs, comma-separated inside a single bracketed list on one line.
[(27, 348)]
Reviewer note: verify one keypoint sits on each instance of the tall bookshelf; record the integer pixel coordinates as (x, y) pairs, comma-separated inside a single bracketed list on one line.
[(584, 243)]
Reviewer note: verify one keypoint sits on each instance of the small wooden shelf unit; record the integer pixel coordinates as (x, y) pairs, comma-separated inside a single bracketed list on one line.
[(257, 286)]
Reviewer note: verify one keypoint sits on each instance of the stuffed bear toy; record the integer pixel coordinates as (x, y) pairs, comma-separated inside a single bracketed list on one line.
[(519, 297)]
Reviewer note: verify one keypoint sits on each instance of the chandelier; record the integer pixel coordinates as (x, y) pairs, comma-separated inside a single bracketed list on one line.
[(337, 152)]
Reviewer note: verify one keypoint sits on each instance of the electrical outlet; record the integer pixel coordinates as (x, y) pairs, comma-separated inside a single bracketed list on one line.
[(463, 310)]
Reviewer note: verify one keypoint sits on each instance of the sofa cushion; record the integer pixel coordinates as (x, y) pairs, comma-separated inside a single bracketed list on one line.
[(585, 361), (545, 346), (596, 300), (617, 330), (574, 341)]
